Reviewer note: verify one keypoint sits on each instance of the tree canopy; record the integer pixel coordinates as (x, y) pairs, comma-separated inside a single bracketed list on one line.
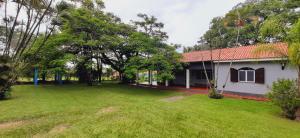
[(90, 37), (258, 21)]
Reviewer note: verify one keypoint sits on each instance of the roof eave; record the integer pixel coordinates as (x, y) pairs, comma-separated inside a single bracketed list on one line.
[(253, 60)]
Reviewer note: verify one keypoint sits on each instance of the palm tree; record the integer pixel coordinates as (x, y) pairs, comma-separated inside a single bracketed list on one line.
[(293, 52), (293, 49)]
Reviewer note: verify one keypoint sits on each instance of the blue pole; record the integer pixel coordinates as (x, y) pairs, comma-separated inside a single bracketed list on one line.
[(36, 81)]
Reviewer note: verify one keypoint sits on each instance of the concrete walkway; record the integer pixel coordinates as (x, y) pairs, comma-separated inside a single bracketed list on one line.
[(204, 91)]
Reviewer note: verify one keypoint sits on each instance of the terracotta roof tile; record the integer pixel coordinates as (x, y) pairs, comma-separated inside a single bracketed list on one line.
[(238, 53)]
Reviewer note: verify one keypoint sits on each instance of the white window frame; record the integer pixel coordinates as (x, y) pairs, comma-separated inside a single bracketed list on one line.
[(246, 76)]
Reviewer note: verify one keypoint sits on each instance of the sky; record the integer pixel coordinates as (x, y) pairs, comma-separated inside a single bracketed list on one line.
[(185, 20)]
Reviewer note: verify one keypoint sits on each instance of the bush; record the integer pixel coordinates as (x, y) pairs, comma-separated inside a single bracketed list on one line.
[(214, 94), (5, 77), (284, 93), (5, 93)]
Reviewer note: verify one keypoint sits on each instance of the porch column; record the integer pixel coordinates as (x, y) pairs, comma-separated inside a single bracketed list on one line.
[(167, 83), (150, 77), (187, 78)]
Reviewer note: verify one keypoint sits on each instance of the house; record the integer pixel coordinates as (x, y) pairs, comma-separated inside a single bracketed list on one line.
[(237, 70)]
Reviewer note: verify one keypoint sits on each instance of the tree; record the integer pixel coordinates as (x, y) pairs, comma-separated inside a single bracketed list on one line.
[(51, 59), (293, 40), (262, 20), (95, 35), (273, 28), (152, 28), (294, 46), (20, 33), (155, 56)]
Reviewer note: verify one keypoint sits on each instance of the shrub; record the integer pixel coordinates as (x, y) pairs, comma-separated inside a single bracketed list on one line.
[(214, 94), (284, 93), (5, 93), (5, 77)]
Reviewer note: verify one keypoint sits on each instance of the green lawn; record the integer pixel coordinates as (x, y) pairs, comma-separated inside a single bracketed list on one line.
[(114, 110)]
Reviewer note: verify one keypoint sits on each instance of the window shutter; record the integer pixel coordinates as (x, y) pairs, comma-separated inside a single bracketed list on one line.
[(260, 76), (234, 75)]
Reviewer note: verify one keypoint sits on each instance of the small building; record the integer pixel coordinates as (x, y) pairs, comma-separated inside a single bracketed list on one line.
[(236, 70)]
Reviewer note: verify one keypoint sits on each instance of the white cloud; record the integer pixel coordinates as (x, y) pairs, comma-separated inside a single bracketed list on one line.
[(185, 20)]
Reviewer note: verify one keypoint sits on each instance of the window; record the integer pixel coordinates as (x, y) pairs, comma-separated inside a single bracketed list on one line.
[(242, 75), (246, 75)]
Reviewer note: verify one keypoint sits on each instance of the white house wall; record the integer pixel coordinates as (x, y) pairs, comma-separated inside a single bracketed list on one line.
[(273, 72)]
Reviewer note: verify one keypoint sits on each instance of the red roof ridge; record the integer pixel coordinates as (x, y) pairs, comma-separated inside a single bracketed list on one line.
[(232, 53), (243, 46)]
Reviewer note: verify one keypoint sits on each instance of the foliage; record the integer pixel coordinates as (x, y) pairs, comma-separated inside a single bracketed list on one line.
[(294, 53), (259, 22), (285, 94), (51, 58), (6, 76), (152, 53), (94, 34), (19, 33), (294, 40), (269, 48), (273, 28)]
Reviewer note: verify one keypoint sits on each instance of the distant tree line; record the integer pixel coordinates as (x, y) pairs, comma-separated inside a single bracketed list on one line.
[(259, 21)]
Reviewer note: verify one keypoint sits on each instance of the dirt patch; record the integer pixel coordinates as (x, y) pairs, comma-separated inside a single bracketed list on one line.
[(106, 110), (55, 130), (173, 99), (59, 129), (9, 125)]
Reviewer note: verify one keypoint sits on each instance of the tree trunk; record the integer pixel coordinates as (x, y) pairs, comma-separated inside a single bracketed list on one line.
[(298, 110), (44, 77), (124, 79), (99, 70), (82, 73), (55, 77), (150, 77), (299, 81), (137, 78)]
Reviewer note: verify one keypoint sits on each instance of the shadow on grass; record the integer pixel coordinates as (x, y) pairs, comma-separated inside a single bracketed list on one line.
[(137, 91), (105, 87)]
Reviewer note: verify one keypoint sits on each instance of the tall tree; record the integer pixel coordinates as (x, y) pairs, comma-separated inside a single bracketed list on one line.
[(263, 21), (21, 32), (96, 35), (151, 27), (293, 40)]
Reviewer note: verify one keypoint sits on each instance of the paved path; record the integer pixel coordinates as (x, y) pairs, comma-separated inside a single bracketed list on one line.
[(204, 91)]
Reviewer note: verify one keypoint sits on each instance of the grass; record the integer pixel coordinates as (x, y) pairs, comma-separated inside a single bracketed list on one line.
[(113, 110)]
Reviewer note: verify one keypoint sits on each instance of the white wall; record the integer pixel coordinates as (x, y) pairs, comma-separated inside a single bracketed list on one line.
[(273, 72)]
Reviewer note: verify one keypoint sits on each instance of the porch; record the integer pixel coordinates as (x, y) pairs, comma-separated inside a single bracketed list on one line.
[(194, 76)]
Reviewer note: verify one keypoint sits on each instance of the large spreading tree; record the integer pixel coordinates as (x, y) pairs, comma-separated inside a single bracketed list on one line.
[(95, 37)]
